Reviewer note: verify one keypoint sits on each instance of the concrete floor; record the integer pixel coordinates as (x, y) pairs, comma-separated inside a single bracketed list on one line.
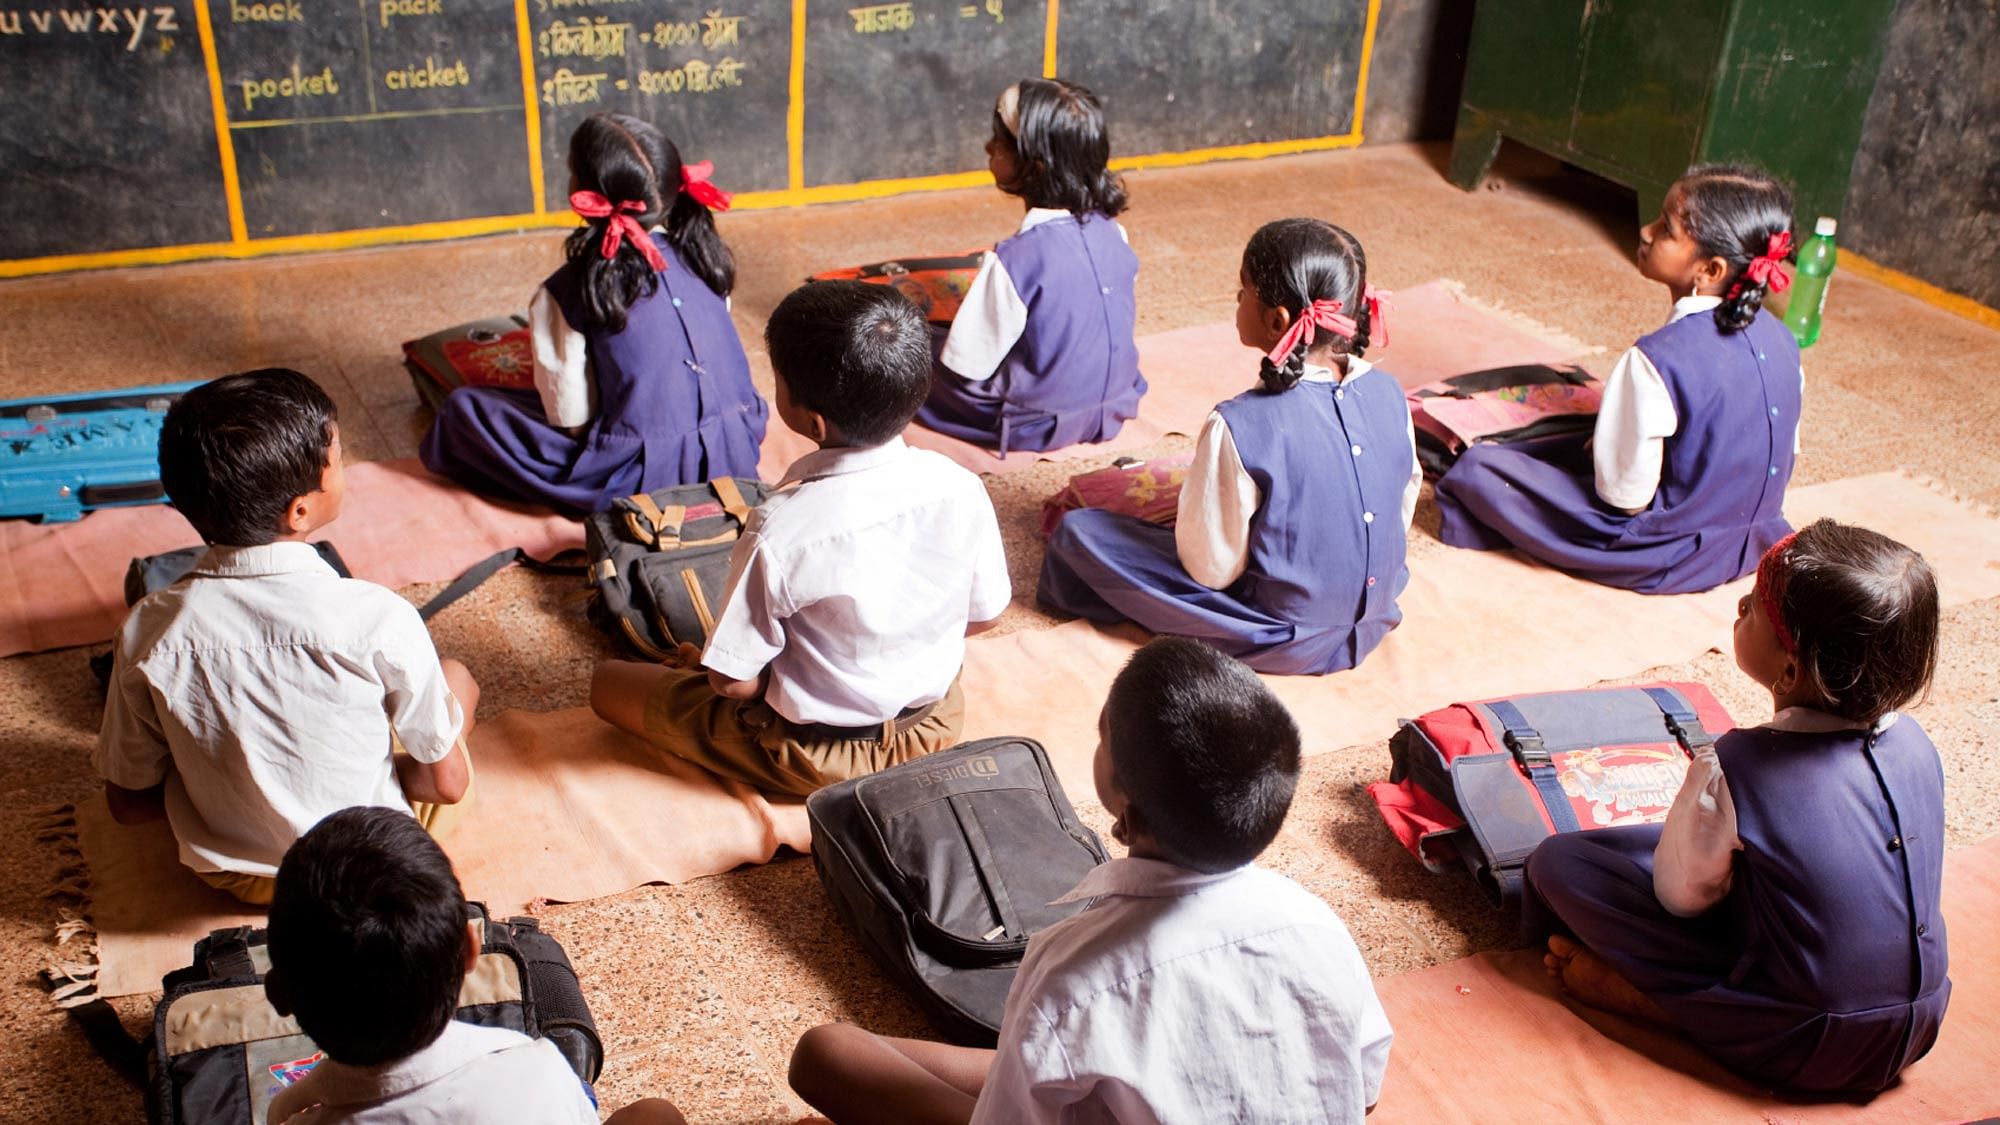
[(700, 990)]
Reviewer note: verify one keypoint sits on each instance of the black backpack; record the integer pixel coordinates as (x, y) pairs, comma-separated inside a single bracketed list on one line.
[(659, 561), (944, 867), (218, 1052)]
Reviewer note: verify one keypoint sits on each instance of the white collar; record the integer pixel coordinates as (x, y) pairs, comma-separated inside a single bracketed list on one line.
[(845, 459), (1356, 368), (1036, 216), (291, 557), (1688, 306), (1811, 720), (1132, 877), (335, 1083)]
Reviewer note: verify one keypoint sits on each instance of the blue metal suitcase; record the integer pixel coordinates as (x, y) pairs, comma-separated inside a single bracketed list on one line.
[(64, 455)]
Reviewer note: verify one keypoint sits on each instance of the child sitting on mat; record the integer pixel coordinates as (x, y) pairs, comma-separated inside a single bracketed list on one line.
[(1683, 485), (837, 649), (1785, 917), (1196, 987), (640, 379), (370, 944), (264, 691), (1041, 353), (1287, 551)]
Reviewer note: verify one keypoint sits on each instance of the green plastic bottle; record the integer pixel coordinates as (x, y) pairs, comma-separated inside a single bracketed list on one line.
[(1809, 282)]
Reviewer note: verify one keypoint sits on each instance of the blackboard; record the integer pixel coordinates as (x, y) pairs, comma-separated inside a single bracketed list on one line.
[(237, 127)]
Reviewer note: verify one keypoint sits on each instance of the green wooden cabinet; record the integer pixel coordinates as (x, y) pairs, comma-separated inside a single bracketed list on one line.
[(1638, 90)]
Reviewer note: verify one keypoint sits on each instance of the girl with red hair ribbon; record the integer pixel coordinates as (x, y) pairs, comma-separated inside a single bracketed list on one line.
[(1682, 486), (1287, 551), (641, 382)]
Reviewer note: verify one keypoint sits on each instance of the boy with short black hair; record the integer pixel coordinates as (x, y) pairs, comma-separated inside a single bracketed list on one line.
[(264, 691), (837, 649), (370, 943), (1196, 987)]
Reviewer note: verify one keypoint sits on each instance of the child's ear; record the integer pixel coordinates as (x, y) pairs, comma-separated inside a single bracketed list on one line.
[(1789, 677), (298, 517), (276, 992), (1708, 274), (471, 945), (1277, 320)]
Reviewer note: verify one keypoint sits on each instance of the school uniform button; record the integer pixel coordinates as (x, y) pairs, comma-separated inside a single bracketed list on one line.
[(1895, 843), (1923, 928), (1106, 290), (677, 302), (1774, 470), (1356, 450), (1371, 580), (1368, 517), (1774, 412), (1760, 355), (1339, 395)]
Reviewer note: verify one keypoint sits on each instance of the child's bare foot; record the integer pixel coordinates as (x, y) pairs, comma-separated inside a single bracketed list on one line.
[(1593, 981)]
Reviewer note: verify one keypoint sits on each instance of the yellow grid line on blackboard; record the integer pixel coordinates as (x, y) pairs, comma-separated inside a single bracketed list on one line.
[(232, 192), (521, 34), (797, 194), (1049, 39), (391, 115), (795, 108)]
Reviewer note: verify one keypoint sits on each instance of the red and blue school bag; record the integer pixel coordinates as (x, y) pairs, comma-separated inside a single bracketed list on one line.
[(1482, 783)]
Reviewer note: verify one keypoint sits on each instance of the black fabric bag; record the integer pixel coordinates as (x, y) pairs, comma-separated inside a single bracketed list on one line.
[(157, 572), (659, 561), (944, 867), (218, 1052)]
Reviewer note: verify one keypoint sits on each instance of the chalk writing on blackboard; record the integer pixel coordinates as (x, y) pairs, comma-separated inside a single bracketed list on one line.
[(132, 23), (594, 39), (878, 18), (693, 77), (565, 88), (995, 8)]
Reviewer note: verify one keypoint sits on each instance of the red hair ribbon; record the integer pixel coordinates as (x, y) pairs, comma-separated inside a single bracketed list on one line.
[(1773, 571), (591, 205), (1318, 315), (1376, 300), (1763, 269), (694, 181)]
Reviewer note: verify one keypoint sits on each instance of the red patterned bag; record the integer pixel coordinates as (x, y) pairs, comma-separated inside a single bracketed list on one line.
[(935, 285), (1150, 490), (495, 352)]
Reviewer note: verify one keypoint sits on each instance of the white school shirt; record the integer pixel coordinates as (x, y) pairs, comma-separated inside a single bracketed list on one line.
[(1635, 419), (855, 581), (1183, 997), (263, 689), (1218, 497), (992, 315), (1694, 862), (467, 1074)]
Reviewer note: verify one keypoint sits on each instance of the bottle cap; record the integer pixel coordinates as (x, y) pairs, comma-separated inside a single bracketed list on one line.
[(1825, 226)]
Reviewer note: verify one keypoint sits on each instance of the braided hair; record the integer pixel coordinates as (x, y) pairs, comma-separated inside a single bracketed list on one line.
[(1732, 211), (624, 158), (1291, 263)]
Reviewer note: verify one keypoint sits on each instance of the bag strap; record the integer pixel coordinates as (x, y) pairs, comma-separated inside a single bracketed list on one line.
[(987, 866), (489, 566), (1525, 742), (1681, 719), (731, 497), (106, 1034)]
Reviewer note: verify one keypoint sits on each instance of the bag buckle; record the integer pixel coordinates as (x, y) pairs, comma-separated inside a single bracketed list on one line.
[(1529, 751)]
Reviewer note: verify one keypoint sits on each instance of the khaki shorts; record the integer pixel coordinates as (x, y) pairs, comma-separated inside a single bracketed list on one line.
[(438, 820), (747, 741)]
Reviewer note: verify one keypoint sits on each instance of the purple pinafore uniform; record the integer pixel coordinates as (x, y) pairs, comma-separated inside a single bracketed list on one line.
[(1720, 503), (1073, 376), (1326, 558), (1824, 967), (674, 406)]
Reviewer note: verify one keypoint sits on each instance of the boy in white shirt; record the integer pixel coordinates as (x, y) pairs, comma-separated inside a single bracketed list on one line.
[(1196, 987), (370, 944), (837, 649), (264, 691)]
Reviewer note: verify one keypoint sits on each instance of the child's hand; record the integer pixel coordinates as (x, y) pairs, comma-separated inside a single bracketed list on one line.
[(687, 654)]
